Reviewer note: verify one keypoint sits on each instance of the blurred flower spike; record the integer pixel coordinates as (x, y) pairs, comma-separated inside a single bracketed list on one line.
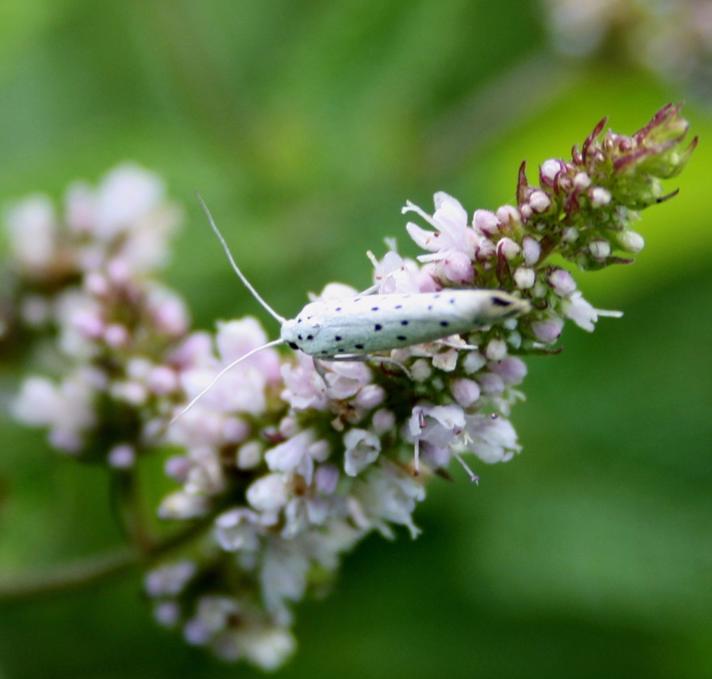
[(284, 466)]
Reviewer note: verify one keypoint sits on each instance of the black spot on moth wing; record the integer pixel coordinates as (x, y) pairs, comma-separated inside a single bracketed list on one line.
[(405, 322), (358, 346), (402, 338), (377, 327)]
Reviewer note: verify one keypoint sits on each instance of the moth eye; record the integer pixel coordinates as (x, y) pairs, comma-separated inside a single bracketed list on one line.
[(293, 345), (500, 301)]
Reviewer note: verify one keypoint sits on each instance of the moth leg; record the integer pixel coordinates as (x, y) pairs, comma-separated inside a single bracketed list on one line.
[(321, 372)]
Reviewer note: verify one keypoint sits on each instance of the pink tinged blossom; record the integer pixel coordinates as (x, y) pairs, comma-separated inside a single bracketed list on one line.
[(236, 530), (582, 181), (269, 493), (162, 380), (304, 388), (509, 216), (177, 467), (491, 383), (129, 391), (293, 456), (473, 362), (249, 455), (383, 421), (584, 314), (599, 249), (80, 208), (524, 278), (436, 425), (549, 169), (370, 396), (235, 430), (345, 379), (600, 196), (116, 335), (236, 338), (387, 495), (465, 391), (196, 349), (562, 282), (457, 267), (118, 270), (539, 201), (508, 248), (548, 331), (512, 370), (496, 350), (126, 194), (122, 456), (326, 479), (531, 250), (168, 312), (449, 220), (361, 449), (492, 438), (336, 291), (487, 222), (630, 241), (38, 402)]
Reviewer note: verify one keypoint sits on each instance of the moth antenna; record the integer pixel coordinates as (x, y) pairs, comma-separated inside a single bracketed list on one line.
[(217, 377), (233, 263)]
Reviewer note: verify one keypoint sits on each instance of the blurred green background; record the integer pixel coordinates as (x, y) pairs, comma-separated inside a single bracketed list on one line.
[(306, 125)]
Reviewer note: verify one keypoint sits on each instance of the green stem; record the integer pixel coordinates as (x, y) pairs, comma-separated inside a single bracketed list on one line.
[(94, 569)]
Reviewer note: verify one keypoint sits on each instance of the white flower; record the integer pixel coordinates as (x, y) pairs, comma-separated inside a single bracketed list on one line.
[(583, 314), (361, 449), (269, 493), (32, 229), (388, 495), (562, 282), (237, 529), (293, 456), (267, 647), (539, 201), (492, 439)]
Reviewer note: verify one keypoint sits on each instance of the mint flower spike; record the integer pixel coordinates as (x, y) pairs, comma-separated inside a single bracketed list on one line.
[(584, 205), (283, 467)]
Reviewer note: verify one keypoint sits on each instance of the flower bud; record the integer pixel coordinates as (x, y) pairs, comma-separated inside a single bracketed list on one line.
[(630, 241), (524, 278), (465, 391)]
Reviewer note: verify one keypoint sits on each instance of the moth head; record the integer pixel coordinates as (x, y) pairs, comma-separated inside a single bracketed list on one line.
[(502, 305), (298, 333)]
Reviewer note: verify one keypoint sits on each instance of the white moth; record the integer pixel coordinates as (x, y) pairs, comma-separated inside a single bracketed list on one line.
[(352, 328)]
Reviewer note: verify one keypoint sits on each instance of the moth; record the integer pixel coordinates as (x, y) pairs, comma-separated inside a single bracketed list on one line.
[(354, 328)]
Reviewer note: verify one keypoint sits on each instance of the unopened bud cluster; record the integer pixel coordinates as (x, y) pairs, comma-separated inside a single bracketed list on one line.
[(290, 465)]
